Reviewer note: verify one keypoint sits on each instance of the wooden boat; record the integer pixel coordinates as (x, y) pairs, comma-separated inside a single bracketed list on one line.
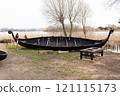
[(3, 55), (60, 43)]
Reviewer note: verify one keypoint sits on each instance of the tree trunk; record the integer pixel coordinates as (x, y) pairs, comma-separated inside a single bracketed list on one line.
[(84, 31), (64, 30), (71, 29)]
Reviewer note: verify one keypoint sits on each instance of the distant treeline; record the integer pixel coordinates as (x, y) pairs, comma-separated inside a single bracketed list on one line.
[(21, 30), (108, 27), (76, 28)]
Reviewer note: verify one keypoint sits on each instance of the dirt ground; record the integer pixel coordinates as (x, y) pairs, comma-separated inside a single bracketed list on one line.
[(19, 67)]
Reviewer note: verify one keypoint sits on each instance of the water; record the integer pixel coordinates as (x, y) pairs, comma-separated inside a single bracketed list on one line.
[(42, 33), (5, 35), (96, 35), (115, 49)]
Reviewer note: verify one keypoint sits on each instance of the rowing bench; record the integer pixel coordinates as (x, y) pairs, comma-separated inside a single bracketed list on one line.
[(90, 52)]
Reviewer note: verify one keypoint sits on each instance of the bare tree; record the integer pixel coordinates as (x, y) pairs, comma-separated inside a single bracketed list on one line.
[(113, 2), (56, 12), (83, 16), (73, 9)]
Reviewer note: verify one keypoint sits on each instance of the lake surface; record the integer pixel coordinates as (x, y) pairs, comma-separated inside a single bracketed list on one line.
[(94, 35), (42, 33), (5, 35)]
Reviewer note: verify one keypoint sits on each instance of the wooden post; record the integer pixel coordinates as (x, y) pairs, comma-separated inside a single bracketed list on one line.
[(17, 46), (80, 42), (75, 42), (25, 37), (102, 53), (91, 55), (57, 42), (38, 41), (80, 55), (117, 48), (17, 36), (48, 41), (6, 43), (66, 43), (42, 41), (69, 38)]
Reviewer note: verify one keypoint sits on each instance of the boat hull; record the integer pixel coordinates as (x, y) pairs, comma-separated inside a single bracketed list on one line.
[(3, 55), (60, 43)]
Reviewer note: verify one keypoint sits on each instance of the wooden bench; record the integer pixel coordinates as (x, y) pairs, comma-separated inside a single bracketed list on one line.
[(90, 52)]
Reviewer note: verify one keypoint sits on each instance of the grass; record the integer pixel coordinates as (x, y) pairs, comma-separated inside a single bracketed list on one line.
[(58, 65), (10, 66), (29, 69), (112, 52), (109, 51), (73, 72), (67, 72)]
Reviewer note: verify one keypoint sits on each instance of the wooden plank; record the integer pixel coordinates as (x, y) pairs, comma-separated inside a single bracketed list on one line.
[(45, 51), (60, 52), (92, 50)]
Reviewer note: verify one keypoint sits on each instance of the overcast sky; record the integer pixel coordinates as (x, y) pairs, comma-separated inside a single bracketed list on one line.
[(28, 14)]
